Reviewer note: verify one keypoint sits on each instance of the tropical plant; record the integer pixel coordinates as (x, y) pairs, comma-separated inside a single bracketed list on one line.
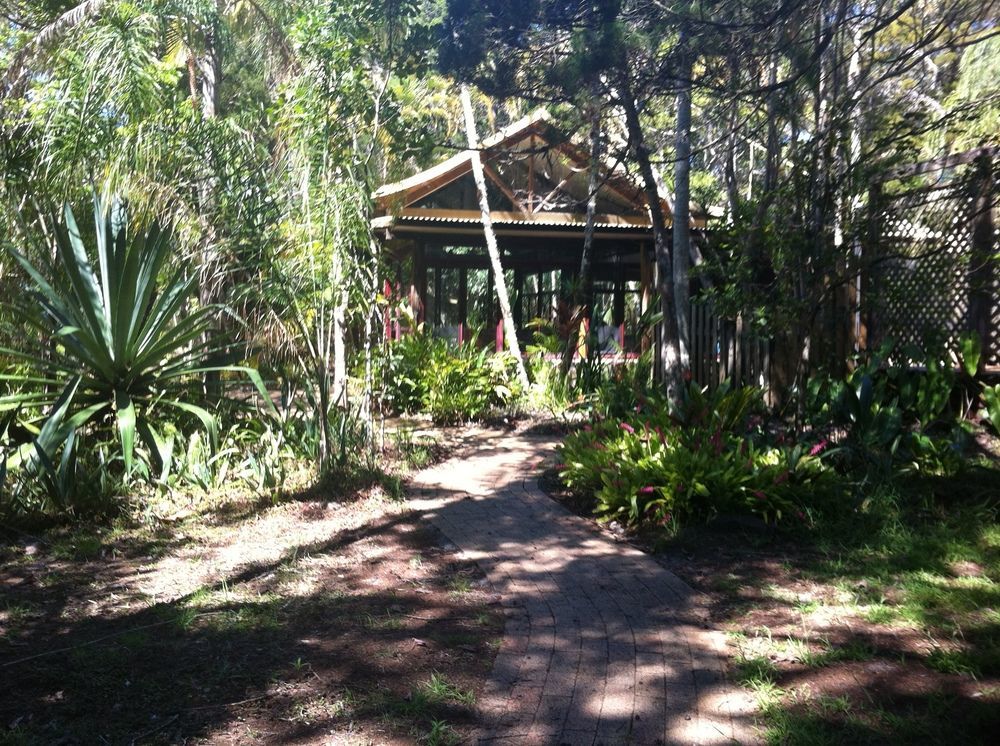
[(991, 400), (112, 347), (707, 458)]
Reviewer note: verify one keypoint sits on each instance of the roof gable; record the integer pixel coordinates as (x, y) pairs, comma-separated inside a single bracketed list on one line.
[(530, 167)]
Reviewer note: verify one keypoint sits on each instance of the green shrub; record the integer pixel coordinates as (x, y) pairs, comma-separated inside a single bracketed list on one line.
[(898, 419), (114, 354), (991, 400), (421, 373), (403, 371), (466, 385), (703, 460)]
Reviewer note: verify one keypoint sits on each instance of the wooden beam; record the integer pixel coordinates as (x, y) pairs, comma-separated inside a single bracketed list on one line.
[(618, 306), (463, 295), (519, 300), (503, 186), (431, 186), (947, 161), (471, 261), (982, 274), (629, 192), (439, 304), (553, 193), (418, 287)]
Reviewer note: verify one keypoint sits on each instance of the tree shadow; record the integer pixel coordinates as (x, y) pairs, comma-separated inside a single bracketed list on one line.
[(384, 643), (602, 645)]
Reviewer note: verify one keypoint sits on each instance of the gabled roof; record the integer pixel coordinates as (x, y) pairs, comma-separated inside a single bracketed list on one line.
[(435, 177), (533, 167)]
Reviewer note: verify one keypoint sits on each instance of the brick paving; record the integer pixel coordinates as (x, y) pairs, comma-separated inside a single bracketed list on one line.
[(602, 645)]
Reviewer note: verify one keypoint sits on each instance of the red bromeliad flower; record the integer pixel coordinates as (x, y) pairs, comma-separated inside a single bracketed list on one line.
[(628, 428), (647, 490), (819, 447), (717, 442), (759, 495)]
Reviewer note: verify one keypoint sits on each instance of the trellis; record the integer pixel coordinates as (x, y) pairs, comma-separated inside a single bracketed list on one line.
[(933, 261)]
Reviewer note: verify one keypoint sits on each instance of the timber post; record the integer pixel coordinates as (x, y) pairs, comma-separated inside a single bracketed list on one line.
[(982, 261)]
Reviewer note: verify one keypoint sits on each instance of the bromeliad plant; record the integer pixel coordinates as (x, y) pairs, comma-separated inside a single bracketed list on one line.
[(706, 458), (113, 346)]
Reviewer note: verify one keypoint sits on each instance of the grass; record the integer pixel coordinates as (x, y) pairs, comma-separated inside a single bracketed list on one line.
[(460, 584), (267, 615), (438, 689), (907, 561), (756, 672), (441, 734), (953, 662)]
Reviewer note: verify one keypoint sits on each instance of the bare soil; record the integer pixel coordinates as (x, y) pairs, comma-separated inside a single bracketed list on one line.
[(316, 619)]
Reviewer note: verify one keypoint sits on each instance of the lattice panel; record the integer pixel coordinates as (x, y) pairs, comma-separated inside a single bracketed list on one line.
[(922, 287)]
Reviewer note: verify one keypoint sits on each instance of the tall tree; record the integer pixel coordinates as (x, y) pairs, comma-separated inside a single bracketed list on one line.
[(500, 285)]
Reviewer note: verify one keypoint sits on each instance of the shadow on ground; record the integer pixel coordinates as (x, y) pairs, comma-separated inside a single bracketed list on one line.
[(377, 631)]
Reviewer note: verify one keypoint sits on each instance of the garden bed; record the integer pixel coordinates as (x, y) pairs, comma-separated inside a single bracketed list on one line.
[(317, 617)]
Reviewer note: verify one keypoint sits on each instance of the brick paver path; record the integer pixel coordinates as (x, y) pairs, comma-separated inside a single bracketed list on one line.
[(602, 644)]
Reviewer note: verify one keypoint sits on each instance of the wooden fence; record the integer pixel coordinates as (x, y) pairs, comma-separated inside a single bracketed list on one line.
[(725, 350)]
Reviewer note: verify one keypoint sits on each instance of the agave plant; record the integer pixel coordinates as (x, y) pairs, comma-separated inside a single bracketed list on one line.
[(114, 344)]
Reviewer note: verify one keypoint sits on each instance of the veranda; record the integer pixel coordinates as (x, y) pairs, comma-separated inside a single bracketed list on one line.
[(432, 230)]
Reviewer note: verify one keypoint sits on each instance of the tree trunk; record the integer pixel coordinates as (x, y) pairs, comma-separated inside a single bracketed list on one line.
[(340, 350), (209, 292), (668, 352), (583, 294), (732, 187), (491, 239), (682, 209), (210, 67)]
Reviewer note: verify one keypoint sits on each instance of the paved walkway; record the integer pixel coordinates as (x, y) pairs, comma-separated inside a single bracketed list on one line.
[(602, 645)]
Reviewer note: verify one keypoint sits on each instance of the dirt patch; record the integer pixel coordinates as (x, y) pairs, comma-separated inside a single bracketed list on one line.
[(306, 621)]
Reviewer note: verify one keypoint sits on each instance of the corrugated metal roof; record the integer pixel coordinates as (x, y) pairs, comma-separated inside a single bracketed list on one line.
[(539, 221)]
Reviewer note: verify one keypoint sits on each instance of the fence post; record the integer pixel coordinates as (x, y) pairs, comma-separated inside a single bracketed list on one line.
[(982, 272), (866, 318)]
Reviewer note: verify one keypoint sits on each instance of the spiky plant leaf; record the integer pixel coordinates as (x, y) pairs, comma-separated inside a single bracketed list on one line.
[(113, 339)]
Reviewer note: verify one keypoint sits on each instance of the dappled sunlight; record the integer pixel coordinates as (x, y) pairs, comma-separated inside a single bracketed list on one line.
[(601, 645), (317, 637)]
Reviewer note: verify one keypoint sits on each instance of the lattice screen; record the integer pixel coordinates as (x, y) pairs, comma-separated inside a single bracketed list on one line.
[(921, 283), (993, 359)]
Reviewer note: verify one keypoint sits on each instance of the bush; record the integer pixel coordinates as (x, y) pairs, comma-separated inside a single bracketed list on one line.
[(114, 352), (452, 384), (893, 419), (708, 457), (403, 371)]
